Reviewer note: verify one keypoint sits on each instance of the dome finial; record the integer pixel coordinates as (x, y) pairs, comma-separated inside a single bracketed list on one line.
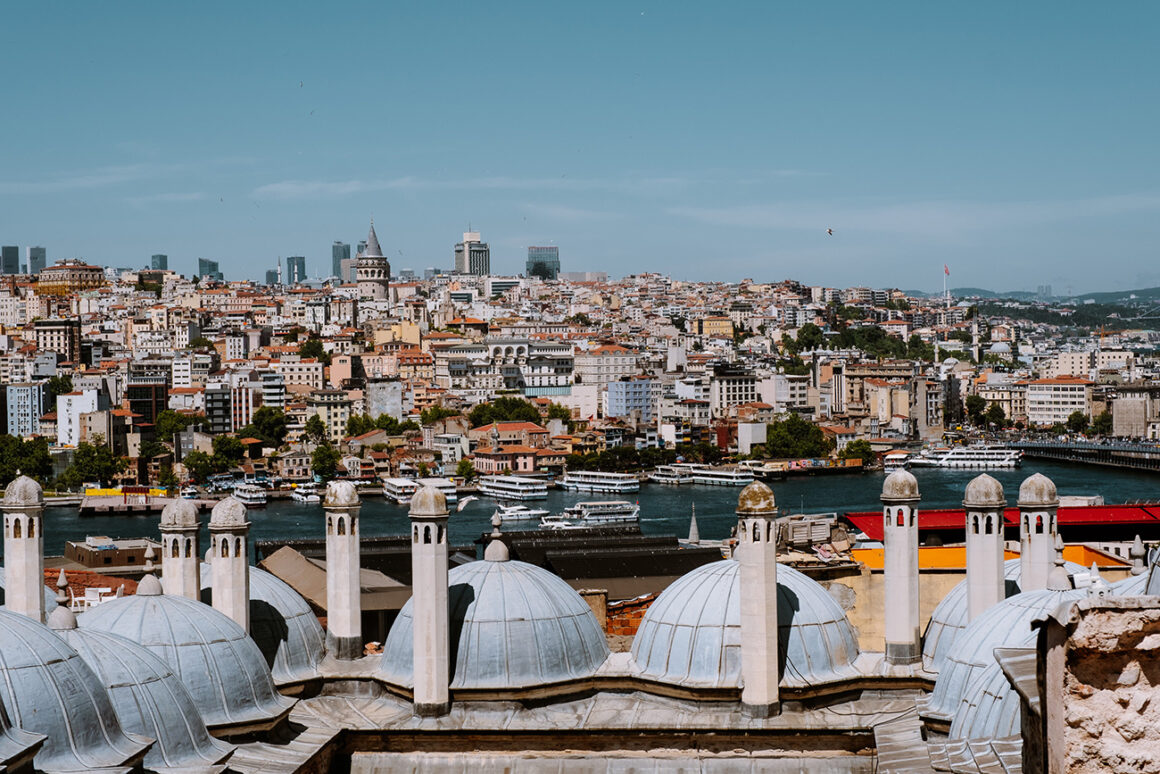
[(497, 550), (1138, 555), (62, 617), (149, 585), (694, 533), (1058, 579)]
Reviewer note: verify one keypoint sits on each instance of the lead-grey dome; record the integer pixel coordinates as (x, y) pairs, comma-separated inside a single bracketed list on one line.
[(217, 661), (900, 485), (989, 709), (428, 502), (1038, 491), (149, 699), (49, 597), (691, 634), (341, 494), (281, 623), (23, 491), (950, 615), (229, 512), (48, 689), (984, 491), (179, 513), (514, 625)]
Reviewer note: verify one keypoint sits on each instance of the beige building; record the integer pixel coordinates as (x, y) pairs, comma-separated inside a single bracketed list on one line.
[(69, 276), (333, 407), (1053, 400)]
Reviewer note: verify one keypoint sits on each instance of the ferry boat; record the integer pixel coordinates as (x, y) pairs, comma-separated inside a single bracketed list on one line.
[(520, 513), (189, 493), (710, 476), (250, 495), (513, 488), (444, 485), (401, 490), (896, 460), (596, 481), (978, 457), (306, 493), (602, 512), (558, 522), (673, 475)]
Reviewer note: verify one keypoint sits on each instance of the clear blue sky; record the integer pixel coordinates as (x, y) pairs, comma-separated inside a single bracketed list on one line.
[(1016, 142)]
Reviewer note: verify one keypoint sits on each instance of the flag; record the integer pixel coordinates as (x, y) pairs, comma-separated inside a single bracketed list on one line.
[(946, 270)]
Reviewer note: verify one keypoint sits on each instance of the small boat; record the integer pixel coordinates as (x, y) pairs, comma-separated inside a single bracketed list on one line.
[(189, 493), (603, 512), (401, 490), (520, 513), (673, 475), (306, 493), (896, 460), (250, 495), (558, 522)]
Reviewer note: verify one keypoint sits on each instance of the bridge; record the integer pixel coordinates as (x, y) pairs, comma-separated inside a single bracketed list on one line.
[(1134, 456)]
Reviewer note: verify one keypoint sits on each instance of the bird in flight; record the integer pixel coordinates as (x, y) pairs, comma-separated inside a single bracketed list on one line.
[(830, 231)]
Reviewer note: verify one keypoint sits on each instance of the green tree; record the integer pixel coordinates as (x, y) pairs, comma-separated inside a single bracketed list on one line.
[(93, 463), (166, 477), (503, 409), (314, 429), (30, 457), (357, 424), (579, 319), (198, 465), (269, 424), (976, 405), (312, 347), (423, 470), (200, 342), (857, 450), (794, 437), (1102, 424), (150, 449), (435, 413), (392, 426), (1077, 422), (324, 461), (996, 416), (465, 469), (170, 422), (228, 449), (59, 385)]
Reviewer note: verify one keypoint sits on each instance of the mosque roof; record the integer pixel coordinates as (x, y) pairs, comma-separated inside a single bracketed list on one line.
[(519, 626), (691, 634), (23, 491), (179, 513)]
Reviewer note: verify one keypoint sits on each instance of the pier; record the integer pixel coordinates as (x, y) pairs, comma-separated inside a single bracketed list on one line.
[(1132, 456)]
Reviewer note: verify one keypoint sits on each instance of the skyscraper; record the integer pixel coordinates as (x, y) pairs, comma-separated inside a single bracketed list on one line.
[(37, 259), (295, 269), (543, 262), (208, 269), (472, 256), (271, 277), (160, 262), (339, 252), (10, 259)]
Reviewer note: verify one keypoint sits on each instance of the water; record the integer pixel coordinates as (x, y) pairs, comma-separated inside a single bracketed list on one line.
[(664, 509)]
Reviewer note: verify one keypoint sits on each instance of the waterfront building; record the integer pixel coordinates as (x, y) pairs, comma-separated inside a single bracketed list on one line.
[(160, 262), (1052, 401), (373, 271), (472, 256), (633, 397), (333, 407), (295, 269), (37, 260), (339, 252), (543, 262)]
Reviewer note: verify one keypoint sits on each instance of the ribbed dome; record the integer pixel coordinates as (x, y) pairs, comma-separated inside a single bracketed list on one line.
[(428, 501), (216, 660), (900, 485), (1038, 491), (230, 512), (179, 513), (149, 699), (1005, 625), (47, 688), (282, 624), (49, 597), (691, 634), (23, 491), (341, 494), (990, 708), (984, 491), (1132, 586), (950, 615), (514, 625)]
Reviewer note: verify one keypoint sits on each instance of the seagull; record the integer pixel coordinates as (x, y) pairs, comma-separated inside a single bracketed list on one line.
[(830, 231), (463, 503)]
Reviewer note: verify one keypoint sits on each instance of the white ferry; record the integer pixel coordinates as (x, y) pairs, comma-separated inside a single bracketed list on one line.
[(513, 488), (710, 476), (306, 493), (673, 475), (602, 512), (444, 485), (190, 493), (896, 460), (509, 513), (595, 481), (401, 490), (558, 522), (978, 457), (250, 495)]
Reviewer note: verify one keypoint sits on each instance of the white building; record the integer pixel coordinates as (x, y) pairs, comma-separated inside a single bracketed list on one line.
[(69, 408), (1053, 400)]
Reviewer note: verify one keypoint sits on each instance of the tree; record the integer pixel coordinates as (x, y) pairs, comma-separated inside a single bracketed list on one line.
[(30, 457), (857, 450), (169, 423), (432, 415), (93, 463), (1102, 424), (392, 426), (423, 470), (269, 424), (314, 429), (59, 385), (465, 469), (358, 424), (1077, 422), (996, 416), (150, 449), (166, 477), (324, 461), (975, 405), (580, 319), (228, 450), (312, 347), (794, 437), (503, 409), (200, 342), (198, 465)]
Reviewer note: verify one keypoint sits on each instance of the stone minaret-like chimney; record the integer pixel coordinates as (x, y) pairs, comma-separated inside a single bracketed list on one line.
[(756, 555), (24, 548), (343, 599), (180, 555), (429, 604), (1038, 503), (984, 503), (231, 562), (900, 516)]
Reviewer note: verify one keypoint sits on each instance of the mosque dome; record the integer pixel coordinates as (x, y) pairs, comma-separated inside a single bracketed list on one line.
[(149, 699), (47, 688), (1132, 586), (999, 348), (950, 615), (220, 665), (1004, 625), (989, 709), (229, 512), (281, 623), (23, 491), (900, 485), (1038, 491), (755, 499), (984, 491), (428, 502), (691, 634), (341, 494), (180, 513), (49, 597), (517, 626)]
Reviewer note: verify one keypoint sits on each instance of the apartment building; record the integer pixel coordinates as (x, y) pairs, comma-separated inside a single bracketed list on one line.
[(1053, 400)]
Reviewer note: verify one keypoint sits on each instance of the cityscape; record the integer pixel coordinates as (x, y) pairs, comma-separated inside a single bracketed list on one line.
[(603, 400)]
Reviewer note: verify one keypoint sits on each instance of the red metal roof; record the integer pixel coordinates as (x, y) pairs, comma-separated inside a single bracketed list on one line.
[(870, 522)]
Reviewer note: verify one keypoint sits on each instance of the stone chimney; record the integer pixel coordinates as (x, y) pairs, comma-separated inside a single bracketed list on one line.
[(228, 529), (343, 596), (429, 603), (900, 518), (1038, 503), (984, 503), (180, 555), (756, 554), (24, 548)]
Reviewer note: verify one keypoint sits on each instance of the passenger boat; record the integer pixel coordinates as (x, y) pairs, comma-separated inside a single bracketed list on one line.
[(596, 481), (602, 512), (558, 522), (306, 493), (250, 495), (979, 457), (189, 493), (401, 490), (509, 513), (896, 460), (673, 475), (710, 476), (444, 485), (513, 488)]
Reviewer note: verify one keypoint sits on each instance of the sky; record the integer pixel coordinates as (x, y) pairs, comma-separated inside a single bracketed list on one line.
[(1015, 143)]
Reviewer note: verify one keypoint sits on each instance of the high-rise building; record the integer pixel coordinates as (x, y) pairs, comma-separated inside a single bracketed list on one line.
[(10, 259), (295, 269), (271, 276), (37, 259), (160, 262), (208, 269), (373, 270), (543, 262), (339, 252), (472, 256), (25, 406)]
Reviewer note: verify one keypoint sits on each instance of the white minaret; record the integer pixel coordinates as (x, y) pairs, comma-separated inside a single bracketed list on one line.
[(900, 517), (756, 553), (24, 548), (343, 599), (984, 503), (1038, 502), (180, 555), (429, 606), (231, 563)]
